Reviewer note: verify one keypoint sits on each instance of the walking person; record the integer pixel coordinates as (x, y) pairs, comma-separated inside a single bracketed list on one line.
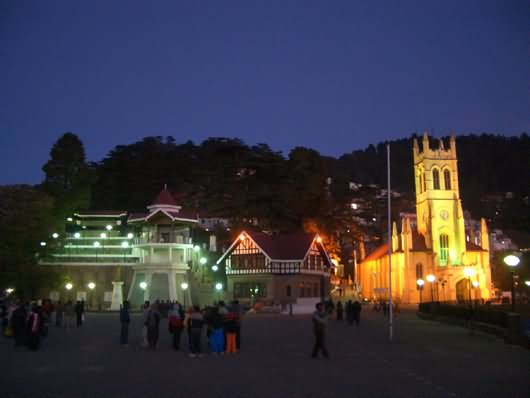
[(145, 312), (33, 328), (196, 325), (153, 326), (125, 320), (18, 324), (238, 311), (349, 313), (175, 325), (320, 320)]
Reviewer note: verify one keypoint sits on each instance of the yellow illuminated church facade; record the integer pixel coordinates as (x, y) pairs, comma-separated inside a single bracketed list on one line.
[(433, 246)]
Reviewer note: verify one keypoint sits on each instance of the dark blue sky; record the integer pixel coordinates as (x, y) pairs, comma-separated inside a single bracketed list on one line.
[(332, 75)]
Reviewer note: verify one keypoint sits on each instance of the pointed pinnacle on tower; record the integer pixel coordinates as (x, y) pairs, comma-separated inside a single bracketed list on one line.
[(425, 141)]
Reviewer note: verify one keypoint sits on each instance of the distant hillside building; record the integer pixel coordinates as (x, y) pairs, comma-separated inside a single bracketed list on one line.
[(277, 269), (436, 245)]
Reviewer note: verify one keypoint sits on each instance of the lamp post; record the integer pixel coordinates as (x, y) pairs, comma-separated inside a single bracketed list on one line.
[(96, 245), (218, 287), (475, 286), (431, 278), (469, 272), (125, 246), (420, 282), (512, 261), (91, 286), (184, 287)]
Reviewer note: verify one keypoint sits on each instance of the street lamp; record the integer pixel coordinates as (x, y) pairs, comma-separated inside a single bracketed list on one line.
[(527, 283), (68, 286), (218, 287), (184, 287), (431, 278), (215, 268), (203, 260), (96, 245), (109, 227), (143, 285), (9, 290), (125, 246), (512, 261), (196, 248), (91, 286), (77, 235), (469, 272), (475, 286), (55, 235), (420, 282)]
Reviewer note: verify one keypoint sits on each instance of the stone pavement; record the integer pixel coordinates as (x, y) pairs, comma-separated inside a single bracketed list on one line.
[(426, 359)]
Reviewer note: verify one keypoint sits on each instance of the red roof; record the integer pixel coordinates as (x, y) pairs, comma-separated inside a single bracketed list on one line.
[(284, 247), (380, 251), (164, 198)]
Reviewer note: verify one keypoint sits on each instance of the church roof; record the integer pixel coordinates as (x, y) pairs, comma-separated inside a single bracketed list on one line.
[(164, 198)]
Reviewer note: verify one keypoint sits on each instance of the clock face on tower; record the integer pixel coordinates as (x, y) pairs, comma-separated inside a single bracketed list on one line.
[(444, 214)]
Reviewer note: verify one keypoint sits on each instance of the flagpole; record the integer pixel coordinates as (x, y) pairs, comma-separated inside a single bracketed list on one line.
[(390, 312)]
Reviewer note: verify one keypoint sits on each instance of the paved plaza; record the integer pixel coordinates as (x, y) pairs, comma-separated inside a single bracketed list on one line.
[(426, 359)]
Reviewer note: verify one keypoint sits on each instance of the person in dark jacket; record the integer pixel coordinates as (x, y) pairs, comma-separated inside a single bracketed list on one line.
[(153, 325), (320, 320), (356, 312), (33, 328), (340, 311), (175, 325), (18, 324), (125, 320), (196, 321), (79, 313), (231, 327)]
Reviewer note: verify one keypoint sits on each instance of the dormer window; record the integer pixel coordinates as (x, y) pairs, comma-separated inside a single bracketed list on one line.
[(436, 179)]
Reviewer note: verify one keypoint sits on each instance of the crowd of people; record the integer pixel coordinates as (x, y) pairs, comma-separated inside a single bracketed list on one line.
[(28, 322), (218, 325)]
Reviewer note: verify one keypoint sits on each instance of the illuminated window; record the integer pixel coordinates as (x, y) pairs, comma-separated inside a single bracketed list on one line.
[(444, 249), (447, 179), (436, 179)]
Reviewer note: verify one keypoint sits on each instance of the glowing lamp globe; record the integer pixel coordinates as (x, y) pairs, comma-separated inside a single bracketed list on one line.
[(96, 244), (55, 235), (103, 235), (475, 283), (143, 285), (218, 286), (527, 283), (431, 278), (43, 244), (420, 282), (109, 227), (469, 272), (511, 260), (91, 285), (130, 235), (69, 286), (215, 268), (196, 248), (183, 285), (125, 244), (77, 235), (203, 260)]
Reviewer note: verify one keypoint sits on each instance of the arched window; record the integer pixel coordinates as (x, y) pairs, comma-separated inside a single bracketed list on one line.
[(444, 249), (447, 179), (436, 179)]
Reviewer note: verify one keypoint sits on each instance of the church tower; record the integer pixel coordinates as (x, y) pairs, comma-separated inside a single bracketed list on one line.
[(438, 209)]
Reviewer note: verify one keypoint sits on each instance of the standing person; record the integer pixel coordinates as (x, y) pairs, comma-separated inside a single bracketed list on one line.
[(153, 326), (340, 311), (320, 320), (145, 312), (356, 310), (196, 326), (349, 312), (230, 327), (79, 313), (33, 328), (69, 314), (217, 338), (18, 324), (238, 311), (125, 320), (175, 325), (59, 314)]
